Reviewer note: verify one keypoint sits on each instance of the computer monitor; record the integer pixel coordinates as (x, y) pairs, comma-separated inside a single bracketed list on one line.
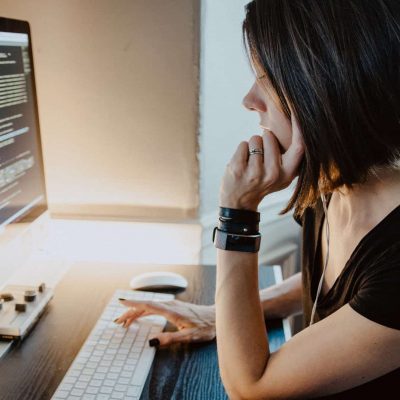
[(22, 182)]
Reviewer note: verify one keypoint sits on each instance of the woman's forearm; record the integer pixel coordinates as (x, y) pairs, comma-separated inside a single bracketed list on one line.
[(242, 341), (283, 299)]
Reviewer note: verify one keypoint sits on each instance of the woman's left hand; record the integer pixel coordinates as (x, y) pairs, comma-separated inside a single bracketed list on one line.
[(249, 178)]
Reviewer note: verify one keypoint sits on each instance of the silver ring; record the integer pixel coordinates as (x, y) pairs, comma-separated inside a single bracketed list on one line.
[(256, 151)]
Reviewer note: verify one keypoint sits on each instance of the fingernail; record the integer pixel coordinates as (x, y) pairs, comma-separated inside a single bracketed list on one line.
[(154, 342), (121, 299), (115, 320)]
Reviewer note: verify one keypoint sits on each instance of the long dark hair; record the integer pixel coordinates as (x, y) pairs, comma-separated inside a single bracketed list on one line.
[(336, 62)]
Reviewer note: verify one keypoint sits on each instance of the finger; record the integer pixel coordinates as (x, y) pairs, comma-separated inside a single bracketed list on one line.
[(256, 161), (241, 155), (132, 313), (157, 308), (292, 157), (129, 321), (182, 336), (129, 313), (272, 154)]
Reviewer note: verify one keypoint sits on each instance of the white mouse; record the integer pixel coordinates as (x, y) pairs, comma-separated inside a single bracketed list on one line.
[(159, 280)]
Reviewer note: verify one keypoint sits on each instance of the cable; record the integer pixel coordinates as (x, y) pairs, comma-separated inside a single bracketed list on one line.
[(326, 261)]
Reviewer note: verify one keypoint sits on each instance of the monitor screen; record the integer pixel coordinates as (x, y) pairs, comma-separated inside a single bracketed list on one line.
[(22, 183)]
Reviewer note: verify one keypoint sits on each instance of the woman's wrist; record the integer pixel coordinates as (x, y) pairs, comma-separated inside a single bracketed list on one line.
[(238, 206), (237, 230)]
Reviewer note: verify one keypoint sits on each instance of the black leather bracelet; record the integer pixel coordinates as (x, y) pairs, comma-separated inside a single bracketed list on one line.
[(238, 227), (236, 215)]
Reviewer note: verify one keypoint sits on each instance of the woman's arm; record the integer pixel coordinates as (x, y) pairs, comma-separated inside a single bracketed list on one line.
[(242, 342), (341, 351), (283, 299)]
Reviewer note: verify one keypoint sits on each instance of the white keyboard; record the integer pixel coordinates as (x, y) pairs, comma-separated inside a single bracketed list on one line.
[(114, 362)]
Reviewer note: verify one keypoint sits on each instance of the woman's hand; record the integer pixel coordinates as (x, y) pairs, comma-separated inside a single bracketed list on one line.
[(195, 323), (249, 178)]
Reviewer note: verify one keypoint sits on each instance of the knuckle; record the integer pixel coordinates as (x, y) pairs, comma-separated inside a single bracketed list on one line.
[(255, 138), (255, 177), (236, 171), (180, 320), (272, 174)]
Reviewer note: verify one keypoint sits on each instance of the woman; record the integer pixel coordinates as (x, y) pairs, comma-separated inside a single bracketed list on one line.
[(327, 91)]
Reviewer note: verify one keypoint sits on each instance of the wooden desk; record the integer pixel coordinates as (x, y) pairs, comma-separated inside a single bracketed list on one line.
[(34, 368)]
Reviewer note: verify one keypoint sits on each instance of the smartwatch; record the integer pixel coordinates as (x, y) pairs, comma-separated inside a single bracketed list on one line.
[(235, 242)]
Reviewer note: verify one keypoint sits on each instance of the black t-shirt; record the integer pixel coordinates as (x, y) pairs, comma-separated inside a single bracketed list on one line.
[(369, 282)]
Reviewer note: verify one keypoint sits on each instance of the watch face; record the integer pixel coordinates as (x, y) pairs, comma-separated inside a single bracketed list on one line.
[(228, 241)]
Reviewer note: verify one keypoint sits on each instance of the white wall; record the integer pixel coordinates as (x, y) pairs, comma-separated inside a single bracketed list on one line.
[(117, 85), (226, 77)]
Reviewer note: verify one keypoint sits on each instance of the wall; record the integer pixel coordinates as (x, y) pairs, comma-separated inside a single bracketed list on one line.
[(226, 77), (117, 85)]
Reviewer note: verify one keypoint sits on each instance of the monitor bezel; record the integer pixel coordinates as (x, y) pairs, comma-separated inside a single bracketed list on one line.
[(18, 26)]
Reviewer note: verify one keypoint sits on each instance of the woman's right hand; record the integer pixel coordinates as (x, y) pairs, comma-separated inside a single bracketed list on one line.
[(195, 323)]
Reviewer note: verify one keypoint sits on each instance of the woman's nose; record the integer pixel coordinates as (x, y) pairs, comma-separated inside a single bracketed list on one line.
[(252, 100)]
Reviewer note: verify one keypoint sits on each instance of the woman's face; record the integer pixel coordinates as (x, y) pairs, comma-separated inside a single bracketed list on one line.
[(263, 99)]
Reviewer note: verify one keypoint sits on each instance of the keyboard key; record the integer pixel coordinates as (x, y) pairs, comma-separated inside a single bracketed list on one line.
[(61, 394), (77, 392), (126, 374), (81, 385), (95, 382), (67, 386), (103, 397), (88, 371), (92, 390), (121, 388), (89, 397), (70, 379)]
